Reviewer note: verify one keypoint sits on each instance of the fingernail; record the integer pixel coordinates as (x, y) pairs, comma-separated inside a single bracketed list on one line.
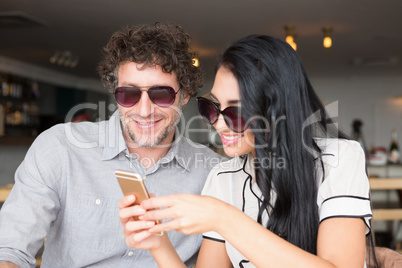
[(141, 217), (141, 210), (130, 198), (150, 223)]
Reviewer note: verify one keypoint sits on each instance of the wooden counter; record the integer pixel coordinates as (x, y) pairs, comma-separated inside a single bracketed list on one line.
[(4, 192)]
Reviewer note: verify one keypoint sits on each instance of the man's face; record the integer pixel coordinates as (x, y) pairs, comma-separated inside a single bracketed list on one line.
[(147, 124)]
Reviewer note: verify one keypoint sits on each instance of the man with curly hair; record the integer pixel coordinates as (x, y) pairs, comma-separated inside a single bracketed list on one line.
[(65, 189)]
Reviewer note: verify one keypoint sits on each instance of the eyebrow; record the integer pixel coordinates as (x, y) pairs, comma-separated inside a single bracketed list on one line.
[(135, 84), (129, 84), (229, 102)]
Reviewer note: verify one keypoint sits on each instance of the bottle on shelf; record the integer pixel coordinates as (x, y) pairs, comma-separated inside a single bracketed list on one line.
[(5, 86), (394, 156), (19, 115), (2, 121)]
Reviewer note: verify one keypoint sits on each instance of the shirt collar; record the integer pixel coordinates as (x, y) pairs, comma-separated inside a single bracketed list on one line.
[(111, 137), (178, 151)]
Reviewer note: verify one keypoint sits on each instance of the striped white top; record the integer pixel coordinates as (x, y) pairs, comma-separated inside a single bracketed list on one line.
[(344, 192)]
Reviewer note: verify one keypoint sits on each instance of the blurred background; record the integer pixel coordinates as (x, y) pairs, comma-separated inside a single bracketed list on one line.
[(49, 50)]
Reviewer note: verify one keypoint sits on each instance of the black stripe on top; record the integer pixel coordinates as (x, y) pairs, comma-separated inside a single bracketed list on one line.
[(231, 171), (214, 239), (348, 196)]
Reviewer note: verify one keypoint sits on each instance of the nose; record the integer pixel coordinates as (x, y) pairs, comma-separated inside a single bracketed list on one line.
[(220, 124), (145, 105)]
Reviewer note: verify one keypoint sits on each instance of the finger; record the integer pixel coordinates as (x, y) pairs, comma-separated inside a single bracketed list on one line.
[(139, 237), (135, 240), (135, 226), (126, 201), (127, 233), (127, 214), (131, 227), (124, 220), (164, 227), (160, 214), (157, 202)]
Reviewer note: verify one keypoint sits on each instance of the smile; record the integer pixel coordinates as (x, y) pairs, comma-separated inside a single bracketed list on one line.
[(146, 124), (230, 139)]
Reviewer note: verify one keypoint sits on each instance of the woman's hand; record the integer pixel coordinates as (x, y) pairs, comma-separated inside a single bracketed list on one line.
[(189, 214), (136, 231)]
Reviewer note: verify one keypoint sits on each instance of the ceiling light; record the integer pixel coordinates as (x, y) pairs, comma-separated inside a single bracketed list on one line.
[(289, 39), (196, 62), (327, 41), (64, 58), (290, 36)]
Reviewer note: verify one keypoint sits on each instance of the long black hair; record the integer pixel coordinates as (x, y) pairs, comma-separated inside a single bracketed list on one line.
[(279, 98)]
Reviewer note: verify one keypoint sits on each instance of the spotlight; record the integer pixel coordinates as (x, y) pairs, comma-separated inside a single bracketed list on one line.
[(327, 41), (290, 36)]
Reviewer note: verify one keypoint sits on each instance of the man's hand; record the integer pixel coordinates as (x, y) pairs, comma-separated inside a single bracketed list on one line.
[(8, 264), (388, 258), (136, 232)]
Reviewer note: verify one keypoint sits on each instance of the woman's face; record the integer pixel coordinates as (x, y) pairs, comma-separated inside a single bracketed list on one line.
[(225, 93)]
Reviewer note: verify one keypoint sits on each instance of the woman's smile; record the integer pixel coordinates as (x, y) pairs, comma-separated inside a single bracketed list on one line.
[(230, 139)]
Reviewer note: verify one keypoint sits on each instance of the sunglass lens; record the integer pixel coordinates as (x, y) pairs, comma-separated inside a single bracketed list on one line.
[(234, 119), (127, 96), (207, 111), (162, 96)]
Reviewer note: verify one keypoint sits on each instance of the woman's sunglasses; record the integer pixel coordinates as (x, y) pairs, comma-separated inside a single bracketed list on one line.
[(162, 96), (232, 114)]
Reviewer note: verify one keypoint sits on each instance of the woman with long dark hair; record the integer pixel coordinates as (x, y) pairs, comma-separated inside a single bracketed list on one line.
[(294, 194)]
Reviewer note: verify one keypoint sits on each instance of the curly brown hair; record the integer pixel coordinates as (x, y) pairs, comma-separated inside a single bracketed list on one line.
[(163, 44)]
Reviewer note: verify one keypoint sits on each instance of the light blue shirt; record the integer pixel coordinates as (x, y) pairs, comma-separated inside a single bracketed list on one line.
[(65, 191)]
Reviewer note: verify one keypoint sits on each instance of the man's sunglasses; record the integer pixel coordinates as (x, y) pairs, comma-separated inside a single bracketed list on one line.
[(162, 96), (232, 114)]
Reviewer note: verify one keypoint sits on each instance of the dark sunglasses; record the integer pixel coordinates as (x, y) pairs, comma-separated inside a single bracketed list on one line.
[(162, 96), (232, 114)]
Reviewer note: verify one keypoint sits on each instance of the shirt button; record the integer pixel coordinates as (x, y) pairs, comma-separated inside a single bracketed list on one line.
[(130, 253), (97, 201)]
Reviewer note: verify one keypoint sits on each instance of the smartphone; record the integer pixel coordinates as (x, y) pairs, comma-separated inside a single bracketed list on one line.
[(133, 183)]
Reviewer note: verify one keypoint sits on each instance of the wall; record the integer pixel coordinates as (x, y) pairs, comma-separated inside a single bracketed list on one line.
[(10, 159), (371, 98)]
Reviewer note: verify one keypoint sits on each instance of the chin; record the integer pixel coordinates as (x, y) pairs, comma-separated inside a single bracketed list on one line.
[(234, 152)]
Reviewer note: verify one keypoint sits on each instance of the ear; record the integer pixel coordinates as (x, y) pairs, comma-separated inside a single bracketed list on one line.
[(186, 98)]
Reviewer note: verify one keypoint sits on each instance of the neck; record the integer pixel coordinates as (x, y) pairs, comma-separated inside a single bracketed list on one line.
[(149, 156)]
